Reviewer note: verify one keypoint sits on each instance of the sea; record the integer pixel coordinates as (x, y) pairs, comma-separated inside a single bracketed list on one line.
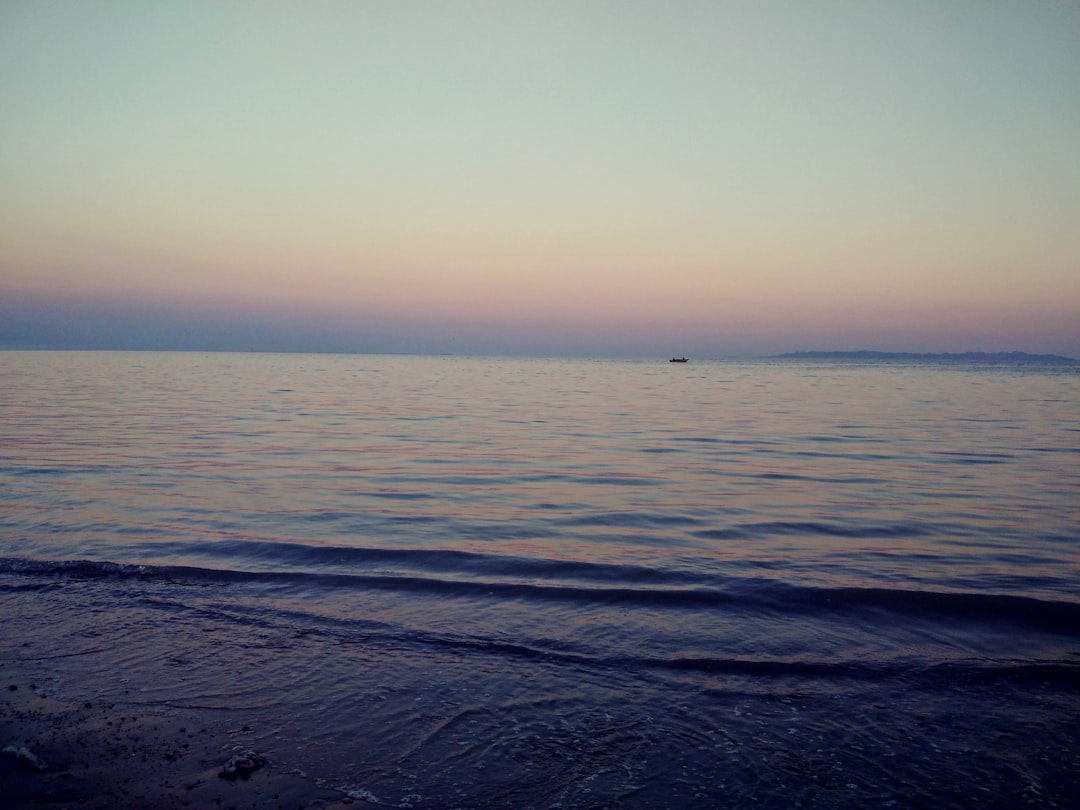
[(437, 582)]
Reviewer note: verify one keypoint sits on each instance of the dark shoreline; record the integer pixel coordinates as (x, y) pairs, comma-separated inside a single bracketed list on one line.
[(116, 756)]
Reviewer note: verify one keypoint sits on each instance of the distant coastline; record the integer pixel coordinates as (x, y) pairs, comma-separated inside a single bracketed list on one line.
[(973, 357)]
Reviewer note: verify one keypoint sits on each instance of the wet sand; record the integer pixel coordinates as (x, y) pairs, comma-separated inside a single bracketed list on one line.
[(109, 755)]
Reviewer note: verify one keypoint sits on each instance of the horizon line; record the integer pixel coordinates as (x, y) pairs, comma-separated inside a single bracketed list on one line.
[(809, 354)]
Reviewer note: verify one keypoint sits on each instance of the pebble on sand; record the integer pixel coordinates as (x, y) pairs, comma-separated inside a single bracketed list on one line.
[(242, 765)]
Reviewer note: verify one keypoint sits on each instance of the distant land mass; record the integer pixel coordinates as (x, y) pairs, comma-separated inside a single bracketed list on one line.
[(972, 357)]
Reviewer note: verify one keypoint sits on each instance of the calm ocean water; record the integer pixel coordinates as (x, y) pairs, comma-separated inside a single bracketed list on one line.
[(440, 582)]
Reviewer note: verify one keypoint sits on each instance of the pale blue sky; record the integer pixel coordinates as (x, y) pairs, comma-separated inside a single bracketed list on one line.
[(712, 178)]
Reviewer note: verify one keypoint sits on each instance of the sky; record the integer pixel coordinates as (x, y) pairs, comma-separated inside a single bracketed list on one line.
[(714, 179)]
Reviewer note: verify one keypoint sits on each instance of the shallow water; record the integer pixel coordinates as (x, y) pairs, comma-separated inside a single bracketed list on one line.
[(439, 581)]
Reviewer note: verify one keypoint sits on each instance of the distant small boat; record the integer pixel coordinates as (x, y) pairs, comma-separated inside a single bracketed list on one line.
[(679, 360)]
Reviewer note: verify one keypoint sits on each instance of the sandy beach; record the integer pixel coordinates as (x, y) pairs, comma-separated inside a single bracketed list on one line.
[(109, 755)]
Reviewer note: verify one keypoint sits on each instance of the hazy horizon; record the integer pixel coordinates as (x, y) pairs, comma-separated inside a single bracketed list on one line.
[(562, 179), (796, 354)]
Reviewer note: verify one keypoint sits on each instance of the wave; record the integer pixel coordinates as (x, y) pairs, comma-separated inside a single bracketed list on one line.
[(455, 574), (970, 671), (814, 528)]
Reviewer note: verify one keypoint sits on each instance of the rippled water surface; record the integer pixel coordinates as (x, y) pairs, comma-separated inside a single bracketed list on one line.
[(438, 581)]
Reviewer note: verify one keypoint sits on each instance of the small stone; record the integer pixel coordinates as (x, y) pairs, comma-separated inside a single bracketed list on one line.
[(242, 765)]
